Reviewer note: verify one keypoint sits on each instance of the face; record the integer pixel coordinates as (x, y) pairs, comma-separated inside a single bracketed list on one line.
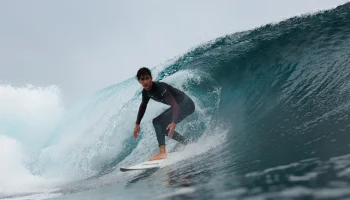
[(146, 82)]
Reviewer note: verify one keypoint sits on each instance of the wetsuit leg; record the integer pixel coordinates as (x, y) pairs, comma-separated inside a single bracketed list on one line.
[(161, 122)]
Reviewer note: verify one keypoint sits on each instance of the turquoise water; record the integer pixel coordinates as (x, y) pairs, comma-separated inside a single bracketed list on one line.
[(271, 122)]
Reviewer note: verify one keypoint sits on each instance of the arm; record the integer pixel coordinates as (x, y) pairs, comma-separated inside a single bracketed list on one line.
[(175, 107), (140, 114), (169, 98), (142, 108)]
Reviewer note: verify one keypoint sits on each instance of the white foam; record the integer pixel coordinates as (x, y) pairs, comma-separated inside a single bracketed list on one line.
[(27, 116), (177, 191), (306, 177), (203, 145), (329, 193), (29, 113), (232, 193), (14, 176), (40, 196), (92, 134)]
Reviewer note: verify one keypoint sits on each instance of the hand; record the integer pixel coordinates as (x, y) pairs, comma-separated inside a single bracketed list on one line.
[(171, 128), (136, 130)]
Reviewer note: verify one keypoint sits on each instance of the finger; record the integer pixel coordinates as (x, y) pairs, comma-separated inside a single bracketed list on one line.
[(169, 134)]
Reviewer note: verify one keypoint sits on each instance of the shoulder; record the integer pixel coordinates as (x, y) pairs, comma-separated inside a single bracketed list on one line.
[(163, 84)]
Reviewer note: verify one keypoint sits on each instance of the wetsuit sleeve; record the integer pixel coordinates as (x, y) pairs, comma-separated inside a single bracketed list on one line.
[(142, 108), (175, 107)]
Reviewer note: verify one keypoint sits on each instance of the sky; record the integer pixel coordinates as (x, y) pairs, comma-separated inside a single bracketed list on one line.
[(83, 46)]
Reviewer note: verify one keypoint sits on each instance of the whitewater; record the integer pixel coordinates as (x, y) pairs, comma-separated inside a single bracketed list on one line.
[(271, 122)]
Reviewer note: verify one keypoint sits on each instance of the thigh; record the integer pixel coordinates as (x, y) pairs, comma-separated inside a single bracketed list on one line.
[(183, 113), (166, 117), (186, 109)]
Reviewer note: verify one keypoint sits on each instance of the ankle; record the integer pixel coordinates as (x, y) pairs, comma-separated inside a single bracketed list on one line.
[(162, 149)]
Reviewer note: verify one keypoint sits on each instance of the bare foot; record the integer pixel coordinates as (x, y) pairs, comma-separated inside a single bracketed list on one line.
[(158, 156)]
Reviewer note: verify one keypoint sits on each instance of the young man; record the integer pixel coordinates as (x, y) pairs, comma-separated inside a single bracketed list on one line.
[(181, 106)]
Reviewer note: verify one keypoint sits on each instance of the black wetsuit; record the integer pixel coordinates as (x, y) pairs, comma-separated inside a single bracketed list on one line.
[(181, 106)]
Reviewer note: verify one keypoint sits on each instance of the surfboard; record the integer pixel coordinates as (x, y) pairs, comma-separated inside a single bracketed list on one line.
[(143, 166), (154, 164)]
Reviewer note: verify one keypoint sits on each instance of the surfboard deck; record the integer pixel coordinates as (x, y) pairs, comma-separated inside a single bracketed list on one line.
[(143, 166), (154, 164)]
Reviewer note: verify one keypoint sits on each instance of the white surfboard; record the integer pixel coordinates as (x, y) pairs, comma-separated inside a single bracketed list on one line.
[(154, 164), (143, 166)]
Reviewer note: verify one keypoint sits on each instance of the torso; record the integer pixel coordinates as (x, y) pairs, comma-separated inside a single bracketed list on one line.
[(160, 90)]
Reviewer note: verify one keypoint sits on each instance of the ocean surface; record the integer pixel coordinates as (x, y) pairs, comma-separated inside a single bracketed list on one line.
[(271, 122)]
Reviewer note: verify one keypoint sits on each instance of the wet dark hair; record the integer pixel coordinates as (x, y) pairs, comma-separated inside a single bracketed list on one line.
[(143, 71)]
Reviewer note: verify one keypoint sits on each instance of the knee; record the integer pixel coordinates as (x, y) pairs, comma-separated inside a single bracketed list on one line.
[(192, 108)]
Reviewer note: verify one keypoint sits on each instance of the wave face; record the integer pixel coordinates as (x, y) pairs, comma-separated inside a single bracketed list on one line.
[(271, 121)]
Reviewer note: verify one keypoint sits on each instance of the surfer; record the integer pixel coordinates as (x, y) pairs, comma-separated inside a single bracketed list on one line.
[(164, 124)]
